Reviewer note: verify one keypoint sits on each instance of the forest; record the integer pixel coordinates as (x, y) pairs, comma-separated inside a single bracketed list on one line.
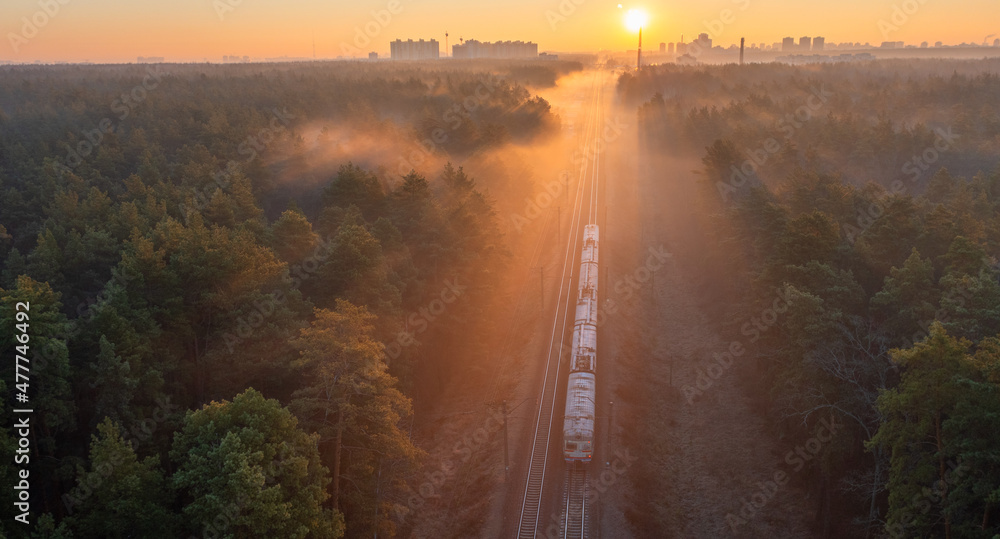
[(239, 278), (851, 217), (242, 281)]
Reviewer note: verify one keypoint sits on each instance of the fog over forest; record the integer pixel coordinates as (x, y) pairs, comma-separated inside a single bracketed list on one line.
[(563, 297)]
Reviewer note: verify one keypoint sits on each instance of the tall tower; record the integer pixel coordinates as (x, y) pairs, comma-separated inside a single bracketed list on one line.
[(446, 49), (742, 43), (638, 60)]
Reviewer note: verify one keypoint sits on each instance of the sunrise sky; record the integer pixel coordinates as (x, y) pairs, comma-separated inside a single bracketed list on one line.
[(194, 30)]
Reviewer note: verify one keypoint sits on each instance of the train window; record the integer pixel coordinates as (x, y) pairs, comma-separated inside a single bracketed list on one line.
[(570, 446)]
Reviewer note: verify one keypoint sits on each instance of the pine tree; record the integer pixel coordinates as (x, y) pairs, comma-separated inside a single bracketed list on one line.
[(907, 300), (120, 495), (48, 357), (115, 383), (246, 469), (353, 186), (351, 401), (294, 239), (936, 426)]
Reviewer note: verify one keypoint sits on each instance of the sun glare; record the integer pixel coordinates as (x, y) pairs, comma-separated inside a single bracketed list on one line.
[(635, 20)]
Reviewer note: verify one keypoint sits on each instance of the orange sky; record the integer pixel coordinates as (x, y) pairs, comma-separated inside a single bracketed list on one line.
[(194, 30)]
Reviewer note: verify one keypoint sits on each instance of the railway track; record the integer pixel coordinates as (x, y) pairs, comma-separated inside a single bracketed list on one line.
[(572, 520)]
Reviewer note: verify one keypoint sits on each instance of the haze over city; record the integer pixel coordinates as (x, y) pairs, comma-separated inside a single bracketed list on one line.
[(196, 30)]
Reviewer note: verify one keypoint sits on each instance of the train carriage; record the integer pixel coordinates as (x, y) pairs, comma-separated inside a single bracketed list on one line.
[(578, 423), (591, 237)]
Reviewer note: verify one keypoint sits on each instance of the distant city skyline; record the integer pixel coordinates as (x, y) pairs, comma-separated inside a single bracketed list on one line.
[(108, 31)]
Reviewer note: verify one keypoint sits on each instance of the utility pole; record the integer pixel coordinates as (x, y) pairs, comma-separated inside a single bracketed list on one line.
[(607, 438), (604, 288), (506, 459), (541, 283), (541, 286)]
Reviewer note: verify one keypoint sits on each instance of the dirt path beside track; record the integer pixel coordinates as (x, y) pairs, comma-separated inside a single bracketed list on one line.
[(694, 464)]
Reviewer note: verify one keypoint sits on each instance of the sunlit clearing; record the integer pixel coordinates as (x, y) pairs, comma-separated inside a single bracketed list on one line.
[(635, 20)]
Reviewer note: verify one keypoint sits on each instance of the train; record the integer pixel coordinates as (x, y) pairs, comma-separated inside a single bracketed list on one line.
[(581, 404)]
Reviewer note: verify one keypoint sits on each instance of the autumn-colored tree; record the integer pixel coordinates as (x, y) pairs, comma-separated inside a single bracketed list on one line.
[(352, 403), (294, 238)]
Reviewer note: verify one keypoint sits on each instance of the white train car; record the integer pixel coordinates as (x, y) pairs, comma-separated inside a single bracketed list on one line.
[(585, 324), (584, 350), (588, 262), (578, 423)]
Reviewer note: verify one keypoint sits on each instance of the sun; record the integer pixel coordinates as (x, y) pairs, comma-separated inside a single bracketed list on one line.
[(635, 19)]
